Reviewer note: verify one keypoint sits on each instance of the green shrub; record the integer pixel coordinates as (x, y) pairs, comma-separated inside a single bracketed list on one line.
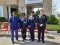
[(52, 20), (2, 19), (37, 12), (19, 14)]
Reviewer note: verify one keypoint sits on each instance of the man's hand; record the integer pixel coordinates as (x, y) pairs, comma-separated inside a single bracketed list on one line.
[(41, 25)]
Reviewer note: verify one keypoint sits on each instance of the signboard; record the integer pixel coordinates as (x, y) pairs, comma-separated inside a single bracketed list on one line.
[(33, 1)]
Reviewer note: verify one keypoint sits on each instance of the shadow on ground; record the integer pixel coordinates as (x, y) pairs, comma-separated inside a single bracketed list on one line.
[(36, 43)]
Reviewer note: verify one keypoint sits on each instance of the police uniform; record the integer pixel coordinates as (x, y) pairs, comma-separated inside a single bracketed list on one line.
[(23, 27), (31, 24), (41, 21), (14, 27)]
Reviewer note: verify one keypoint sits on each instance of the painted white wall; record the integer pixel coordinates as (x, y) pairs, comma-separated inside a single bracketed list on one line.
[(1, 11)]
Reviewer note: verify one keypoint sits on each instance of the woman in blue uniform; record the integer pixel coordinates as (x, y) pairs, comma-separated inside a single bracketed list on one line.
[(23, 26), (14, 20), (31, 24)]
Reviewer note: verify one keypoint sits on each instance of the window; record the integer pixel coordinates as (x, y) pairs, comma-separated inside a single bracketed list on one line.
[(1, 11)]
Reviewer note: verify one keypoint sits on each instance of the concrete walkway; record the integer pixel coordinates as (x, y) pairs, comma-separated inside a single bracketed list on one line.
[(50, 39)]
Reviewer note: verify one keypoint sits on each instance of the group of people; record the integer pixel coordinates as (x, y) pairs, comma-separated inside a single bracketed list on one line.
[(29, 22)]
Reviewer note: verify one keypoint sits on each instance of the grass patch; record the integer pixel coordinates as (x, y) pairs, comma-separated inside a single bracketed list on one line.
[(53, 27)]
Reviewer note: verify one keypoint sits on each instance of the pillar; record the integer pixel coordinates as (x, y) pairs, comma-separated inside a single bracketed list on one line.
[(47, 5), (5, 11), (21, 6), (9, 11)]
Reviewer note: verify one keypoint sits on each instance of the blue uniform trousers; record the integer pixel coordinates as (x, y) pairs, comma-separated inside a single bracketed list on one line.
[(12, 34), (32, 32), (23, 30)]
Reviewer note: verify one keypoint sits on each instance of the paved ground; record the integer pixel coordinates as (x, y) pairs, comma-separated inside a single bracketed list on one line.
[(50, 39)]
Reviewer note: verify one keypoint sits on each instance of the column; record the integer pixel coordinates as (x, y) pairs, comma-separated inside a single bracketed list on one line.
[(47, 5), (9, 11), (22, 6), (5, 11)]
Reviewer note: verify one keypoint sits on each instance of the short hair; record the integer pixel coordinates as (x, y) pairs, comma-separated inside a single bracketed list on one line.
[(14, 12)]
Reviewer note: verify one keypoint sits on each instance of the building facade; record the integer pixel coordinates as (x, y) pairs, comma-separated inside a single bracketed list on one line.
[(21, 5)]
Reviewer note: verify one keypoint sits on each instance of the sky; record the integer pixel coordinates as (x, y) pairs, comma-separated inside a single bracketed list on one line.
[(58, 6), (54, 3)]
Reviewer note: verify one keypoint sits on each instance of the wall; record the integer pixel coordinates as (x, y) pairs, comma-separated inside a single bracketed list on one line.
[(47, 5)]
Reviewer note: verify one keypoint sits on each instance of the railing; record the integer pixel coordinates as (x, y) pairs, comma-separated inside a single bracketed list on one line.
[(5, 27)]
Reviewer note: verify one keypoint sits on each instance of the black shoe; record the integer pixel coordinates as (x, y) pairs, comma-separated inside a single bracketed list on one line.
[(43, 41), (25, 39), (12, 42), (32, 40), (38, 40)]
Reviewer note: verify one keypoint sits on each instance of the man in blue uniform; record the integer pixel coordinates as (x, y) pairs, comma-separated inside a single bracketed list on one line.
[(41, 22), (31, 24), (24, 26), (14, 20)]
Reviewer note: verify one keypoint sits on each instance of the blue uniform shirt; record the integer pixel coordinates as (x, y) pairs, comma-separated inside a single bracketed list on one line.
[(42, 19), (31, 21), (23, 23), (14, 22)]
